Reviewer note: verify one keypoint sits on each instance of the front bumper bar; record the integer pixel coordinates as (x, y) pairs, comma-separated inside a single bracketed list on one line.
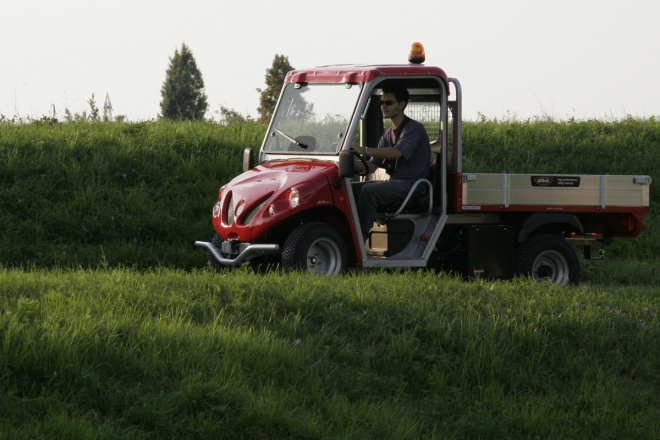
[(249, 251)]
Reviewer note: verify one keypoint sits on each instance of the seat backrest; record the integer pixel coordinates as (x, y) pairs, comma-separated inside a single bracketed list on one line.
[(434, 160)]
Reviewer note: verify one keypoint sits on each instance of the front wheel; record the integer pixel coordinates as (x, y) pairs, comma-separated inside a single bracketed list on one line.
[(317, 248), (547, 257), (215, 265)]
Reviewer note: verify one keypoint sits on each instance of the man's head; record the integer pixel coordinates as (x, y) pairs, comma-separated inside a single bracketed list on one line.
[(394, 101)]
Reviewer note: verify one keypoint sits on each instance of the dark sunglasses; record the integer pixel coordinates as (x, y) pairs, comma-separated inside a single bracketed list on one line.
[(388, 102)]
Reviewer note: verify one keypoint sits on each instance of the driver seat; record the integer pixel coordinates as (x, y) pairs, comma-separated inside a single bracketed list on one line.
[(419, 201)]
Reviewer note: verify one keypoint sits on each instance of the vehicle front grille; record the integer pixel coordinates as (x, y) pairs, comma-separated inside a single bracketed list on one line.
[(250, 215), (230, 210)]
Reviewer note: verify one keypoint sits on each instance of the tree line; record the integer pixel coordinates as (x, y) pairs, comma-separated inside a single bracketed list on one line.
[(184, 97)]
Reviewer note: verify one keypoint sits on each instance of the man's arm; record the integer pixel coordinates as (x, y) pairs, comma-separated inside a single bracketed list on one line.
[(387, 153)]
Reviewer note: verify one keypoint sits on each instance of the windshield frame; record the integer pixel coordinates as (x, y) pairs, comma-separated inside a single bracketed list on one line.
[(275, 127)]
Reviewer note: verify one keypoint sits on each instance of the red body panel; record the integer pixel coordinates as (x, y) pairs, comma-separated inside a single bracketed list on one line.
[(270, 184), (454, 193)]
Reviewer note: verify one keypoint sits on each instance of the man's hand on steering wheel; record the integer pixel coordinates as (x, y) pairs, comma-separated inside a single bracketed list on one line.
[(359, 152)]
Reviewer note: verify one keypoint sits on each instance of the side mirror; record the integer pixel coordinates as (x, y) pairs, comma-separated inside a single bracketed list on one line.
[(248, 159), (346, 164)]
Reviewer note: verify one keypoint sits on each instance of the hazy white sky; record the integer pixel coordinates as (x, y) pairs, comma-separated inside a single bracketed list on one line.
[(559, 58)]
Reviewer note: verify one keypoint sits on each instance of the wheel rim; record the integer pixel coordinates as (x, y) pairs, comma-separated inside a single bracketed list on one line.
[(324, 257), (551, 266)]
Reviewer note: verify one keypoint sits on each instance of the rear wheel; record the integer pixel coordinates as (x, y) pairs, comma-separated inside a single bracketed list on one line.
[(317, 248), (547, 257)]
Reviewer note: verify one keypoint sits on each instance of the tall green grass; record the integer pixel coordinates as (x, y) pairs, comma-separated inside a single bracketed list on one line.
[(167, 354), (133, 194), (627, 146), (140, 194)]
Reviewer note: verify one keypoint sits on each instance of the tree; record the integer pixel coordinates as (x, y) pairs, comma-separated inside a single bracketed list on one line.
[(183, 89), (274, 80), (231, 116), (94, 115)]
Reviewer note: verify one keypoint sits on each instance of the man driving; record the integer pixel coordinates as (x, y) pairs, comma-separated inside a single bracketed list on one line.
[(407, 144)]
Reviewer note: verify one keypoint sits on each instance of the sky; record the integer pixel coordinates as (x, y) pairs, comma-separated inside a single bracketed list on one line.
[(522, 59)]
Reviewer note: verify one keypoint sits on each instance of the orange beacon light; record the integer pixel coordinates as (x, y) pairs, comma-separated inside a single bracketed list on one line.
[(416, 55)]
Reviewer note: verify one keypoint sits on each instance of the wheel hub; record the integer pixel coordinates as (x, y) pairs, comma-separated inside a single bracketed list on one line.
[(323, 257), (551, 266)]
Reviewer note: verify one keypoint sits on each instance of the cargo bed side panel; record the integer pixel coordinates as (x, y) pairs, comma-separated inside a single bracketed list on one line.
[(554, 190)]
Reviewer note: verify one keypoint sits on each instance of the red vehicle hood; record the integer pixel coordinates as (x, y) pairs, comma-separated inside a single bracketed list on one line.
[(269, 185)]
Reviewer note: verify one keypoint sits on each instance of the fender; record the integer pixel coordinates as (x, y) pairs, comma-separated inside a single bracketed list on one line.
[(535, 221)]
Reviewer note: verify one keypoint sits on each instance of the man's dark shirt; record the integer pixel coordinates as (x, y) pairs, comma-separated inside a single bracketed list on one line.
[(415, 160)]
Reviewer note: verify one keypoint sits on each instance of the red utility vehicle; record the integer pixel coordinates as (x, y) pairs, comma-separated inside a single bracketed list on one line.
[(296, 207)]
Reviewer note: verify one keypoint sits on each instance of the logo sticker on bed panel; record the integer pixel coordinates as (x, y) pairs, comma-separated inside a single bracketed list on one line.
[(565, 181)]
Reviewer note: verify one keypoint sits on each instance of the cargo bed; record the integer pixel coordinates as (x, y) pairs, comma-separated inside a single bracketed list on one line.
[(481, 191)]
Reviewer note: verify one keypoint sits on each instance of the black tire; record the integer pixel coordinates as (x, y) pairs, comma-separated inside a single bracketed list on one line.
[(547, 257), (316, 248), (215, 264), (263, 264)]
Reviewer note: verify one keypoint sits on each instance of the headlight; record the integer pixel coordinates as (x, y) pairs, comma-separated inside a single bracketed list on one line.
[(294, 198), (217, 210), (240, 208)]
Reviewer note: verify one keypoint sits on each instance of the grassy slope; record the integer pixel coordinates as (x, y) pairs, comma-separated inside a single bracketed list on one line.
[(166, 354), (140, 194), (133, 194)]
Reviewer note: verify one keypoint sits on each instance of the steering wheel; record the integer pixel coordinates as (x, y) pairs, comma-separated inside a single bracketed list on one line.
[(364, 164)]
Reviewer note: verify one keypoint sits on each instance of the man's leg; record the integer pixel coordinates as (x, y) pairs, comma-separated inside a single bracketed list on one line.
[(378, 195)]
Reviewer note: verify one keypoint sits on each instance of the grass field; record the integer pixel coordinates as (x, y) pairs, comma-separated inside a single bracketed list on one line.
[(111, 328), (171, 354)]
